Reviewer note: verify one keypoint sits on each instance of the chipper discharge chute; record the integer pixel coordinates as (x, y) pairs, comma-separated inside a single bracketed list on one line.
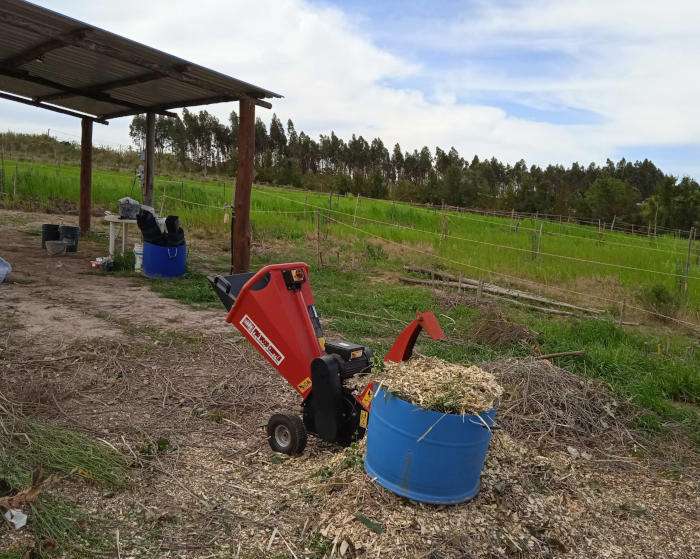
[(274, 309)]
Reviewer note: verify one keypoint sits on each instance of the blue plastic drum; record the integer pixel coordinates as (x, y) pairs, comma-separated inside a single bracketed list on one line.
[(164, 262), (425, 455)]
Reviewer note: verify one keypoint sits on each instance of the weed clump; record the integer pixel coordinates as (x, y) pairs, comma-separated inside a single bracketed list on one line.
[(660, 299)]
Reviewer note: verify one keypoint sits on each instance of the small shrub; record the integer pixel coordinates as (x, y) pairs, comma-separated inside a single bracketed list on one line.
[(660, 299), (375, 252), (124, 262)]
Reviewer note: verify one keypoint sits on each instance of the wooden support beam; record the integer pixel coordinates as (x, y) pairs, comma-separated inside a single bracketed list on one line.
[(240, 225), (68, 91), (149, 167), (39, 50), (33, 103), (113, 84), (190, 103), (85, 176)]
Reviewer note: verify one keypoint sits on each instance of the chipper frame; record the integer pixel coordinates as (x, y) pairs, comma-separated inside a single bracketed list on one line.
[(274, 309)]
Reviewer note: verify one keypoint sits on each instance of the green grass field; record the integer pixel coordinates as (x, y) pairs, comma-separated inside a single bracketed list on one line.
[(606, 269)]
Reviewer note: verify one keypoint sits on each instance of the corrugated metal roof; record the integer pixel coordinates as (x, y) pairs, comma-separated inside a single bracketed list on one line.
[(53, 59)]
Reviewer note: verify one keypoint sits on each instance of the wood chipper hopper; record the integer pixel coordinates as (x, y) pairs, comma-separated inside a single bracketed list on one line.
[(274, 309)]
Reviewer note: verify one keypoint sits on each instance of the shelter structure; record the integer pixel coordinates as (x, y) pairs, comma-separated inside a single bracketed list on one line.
[(54, 62)]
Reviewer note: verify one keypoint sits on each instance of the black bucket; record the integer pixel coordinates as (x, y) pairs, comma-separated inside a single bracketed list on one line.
[(70, 235), (49, 232)]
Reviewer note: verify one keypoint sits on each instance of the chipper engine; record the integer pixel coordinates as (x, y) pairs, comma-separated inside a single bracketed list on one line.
[(274, 309)]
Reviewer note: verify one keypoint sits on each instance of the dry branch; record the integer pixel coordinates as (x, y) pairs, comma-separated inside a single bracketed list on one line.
[(466, 283)]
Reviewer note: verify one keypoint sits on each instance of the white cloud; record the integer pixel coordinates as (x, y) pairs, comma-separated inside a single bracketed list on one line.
[(632, 62)]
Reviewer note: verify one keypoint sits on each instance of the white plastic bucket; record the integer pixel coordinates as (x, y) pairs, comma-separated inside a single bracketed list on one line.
[(138, 257)]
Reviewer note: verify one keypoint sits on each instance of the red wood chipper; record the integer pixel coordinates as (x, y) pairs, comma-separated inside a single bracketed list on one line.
[(274, 309)]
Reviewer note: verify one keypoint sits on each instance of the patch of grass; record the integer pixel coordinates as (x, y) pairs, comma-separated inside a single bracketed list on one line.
[(660, 299), (123, 262), (193, 289), (319, 545), (58, 525), (60, 450), (64, 527), (324, 473), (151, 449), (654, 372)]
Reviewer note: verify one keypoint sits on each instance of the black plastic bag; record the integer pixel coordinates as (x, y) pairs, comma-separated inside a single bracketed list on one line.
[(151, 232)]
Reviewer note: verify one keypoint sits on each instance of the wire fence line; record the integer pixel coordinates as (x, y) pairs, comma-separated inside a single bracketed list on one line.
[(229, 206), (494, 273), (560, 217), (487, 243), (459, 213)]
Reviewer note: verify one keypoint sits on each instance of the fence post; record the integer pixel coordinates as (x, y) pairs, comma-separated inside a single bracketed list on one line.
[(318, 239), (357, 203), (2, 168), (539, 241), (686, 271)]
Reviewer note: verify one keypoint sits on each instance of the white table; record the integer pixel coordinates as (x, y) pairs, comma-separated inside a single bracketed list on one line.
[(114, 221)]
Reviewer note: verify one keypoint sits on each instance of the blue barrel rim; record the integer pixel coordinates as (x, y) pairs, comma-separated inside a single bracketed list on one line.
[(387, 393)]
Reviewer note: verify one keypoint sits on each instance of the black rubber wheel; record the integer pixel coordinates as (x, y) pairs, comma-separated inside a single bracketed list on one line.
[(286, 434)]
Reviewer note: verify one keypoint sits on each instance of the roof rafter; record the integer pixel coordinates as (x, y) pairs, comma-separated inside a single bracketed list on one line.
[(190, 103), (106, 50), (114, 84), (39, 50), (70, 91), (61, 110)]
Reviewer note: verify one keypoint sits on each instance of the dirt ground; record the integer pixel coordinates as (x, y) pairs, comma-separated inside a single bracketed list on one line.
[(107, 356)]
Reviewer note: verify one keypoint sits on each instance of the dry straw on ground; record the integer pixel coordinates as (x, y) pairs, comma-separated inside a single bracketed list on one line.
[(547, 405), (434, 384)]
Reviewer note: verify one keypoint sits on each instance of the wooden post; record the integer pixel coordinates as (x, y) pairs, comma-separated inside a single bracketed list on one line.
[(149, 167), (539, 239), (240, 225), (357, 203), (2, 168), (85, 176), (318, 239), (686, 271)]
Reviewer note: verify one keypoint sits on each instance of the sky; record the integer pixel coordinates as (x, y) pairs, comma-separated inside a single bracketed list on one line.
[(548, 81)]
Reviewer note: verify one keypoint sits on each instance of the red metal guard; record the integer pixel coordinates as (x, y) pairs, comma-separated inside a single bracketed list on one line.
[(276, 321), (403, 346)]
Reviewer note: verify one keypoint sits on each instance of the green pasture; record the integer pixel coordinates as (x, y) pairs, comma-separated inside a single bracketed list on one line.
[(577, 261)]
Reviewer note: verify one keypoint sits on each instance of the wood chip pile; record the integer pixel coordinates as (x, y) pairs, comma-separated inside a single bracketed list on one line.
[(434, 384), (523, 509)]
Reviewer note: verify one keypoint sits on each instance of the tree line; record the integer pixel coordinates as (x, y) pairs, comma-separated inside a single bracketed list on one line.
[(634, 192)]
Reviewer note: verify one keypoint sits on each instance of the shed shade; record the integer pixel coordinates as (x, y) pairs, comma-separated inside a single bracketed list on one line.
[(58, 61)]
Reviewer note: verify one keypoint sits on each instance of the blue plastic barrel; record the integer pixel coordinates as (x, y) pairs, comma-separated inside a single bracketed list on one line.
[(164, 262), (425, 455)]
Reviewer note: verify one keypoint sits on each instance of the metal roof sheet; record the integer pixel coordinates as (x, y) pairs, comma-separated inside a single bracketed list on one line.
[(53, 59)]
